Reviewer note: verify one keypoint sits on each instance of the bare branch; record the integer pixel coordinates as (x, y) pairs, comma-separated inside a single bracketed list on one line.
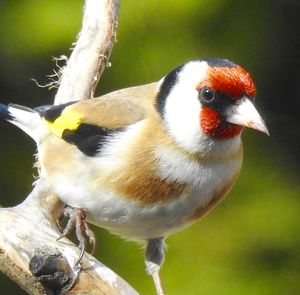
[(29, 229), (91, 53), (28, 232)]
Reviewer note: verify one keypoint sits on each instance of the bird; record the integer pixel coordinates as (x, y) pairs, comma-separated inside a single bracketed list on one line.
[(147, 161)]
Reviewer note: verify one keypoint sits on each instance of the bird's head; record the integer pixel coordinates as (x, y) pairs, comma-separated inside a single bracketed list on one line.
[(211, 98)]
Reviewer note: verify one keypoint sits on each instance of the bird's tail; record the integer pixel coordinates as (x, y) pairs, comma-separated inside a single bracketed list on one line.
[(23, 117)]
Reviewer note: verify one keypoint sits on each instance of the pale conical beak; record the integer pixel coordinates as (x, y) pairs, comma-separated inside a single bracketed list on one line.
[(245, 114)]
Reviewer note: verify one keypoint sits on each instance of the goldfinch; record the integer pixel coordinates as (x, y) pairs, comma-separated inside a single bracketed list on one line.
[(147, 161)]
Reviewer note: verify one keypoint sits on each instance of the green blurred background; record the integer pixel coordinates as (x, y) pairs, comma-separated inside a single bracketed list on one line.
[(250, 244)]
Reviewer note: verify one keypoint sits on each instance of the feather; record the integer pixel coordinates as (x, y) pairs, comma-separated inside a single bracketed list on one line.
[(23, 117)]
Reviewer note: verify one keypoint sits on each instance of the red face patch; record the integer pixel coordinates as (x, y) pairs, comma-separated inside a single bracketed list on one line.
[(231, 81), (212, 124)]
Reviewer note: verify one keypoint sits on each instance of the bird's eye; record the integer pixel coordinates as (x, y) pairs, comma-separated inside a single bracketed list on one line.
[(207, 95)]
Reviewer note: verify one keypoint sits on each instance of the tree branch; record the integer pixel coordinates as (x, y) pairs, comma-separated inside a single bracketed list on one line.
[(91, 53), (28, 232)]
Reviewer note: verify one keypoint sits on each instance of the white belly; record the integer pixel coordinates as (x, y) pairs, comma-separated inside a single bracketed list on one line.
[(105, 207), (138, 221)]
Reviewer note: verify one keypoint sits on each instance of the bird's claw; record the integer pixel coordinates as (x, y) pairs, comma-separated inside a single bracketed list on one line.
[(77, 219)]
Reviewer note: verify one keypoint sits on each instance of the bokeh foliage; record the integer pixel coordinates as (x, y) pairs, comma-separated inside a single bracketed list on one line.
[(250, 243)]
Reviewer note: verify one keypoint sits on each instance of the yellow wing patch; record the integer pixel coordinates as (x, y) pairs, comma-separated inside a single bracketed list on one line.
[(69, 119)]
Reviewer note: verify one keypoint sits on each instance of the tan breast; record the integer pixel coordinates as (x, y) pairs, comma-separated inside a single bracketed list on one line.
[(136, 178)]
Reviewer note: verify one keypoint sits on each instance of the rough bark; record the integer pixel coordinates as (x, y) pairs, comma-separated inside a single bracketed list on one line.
[(28, 232)]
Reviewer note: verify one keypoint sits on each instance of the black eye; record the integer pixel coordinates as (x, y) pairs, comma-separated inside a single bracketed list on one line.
[(207, 95)]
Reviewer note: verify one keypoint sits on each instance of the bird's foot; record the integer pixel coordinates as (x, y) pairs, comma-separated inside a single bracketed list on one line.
[(154, 259), (153, 270), (77, 219)]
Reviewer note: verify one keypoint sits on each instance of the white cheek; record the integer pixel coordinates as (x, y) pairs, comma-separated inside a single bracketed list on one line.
[(182, 117), (182, 110)]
